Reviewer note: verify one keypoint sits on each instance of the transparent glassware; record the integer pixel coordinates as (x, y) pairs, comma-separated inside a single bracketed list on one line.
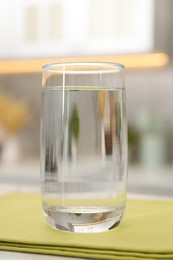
[(83, 146)]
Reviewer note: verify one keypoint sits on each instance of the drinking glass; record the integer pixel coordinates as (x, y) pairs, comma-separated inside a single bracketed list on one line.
[(83, 146)]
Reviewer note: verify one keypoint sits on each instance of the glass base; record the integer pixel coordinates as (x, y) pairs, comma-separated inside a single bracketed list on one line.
[(79, 220)]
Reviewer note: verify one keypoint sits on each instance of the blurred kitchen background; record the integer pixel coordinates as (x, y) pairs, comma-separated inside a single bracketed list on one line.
[(135, 33)]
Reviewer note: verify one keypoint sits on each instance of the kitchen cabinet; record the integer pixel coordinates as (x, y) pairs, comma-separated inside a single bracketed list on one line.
[(58, 28)]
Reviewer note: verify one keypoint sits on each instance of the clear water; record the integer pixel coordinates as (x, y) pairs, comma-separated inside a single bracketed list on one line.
[(83, 158)]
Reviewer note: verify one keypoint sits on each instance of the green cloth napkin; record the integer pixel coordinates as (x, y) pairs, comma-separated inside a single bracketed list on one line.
[(146, 232)]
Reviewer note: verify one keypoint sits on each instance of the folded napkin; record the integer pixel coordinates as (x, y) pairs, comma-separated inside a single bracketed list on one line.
[(146, 232)]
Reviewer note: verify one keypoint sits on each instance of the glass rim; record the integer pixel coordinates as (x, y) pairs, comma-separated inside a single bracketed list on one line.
[(93, 67)]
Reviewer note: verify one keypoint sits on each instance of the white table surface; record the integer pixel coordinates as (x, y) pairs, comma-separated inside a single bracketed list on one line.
[(26, 256)]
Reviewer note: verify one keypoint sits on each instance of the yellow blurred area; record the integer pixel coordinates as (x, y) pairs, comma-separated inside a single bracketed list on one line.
[(146, 60), (13, 114)]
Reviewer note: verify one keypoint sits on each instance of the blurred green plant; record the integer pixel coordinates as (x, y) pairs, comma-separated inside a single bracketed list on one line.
[(133, 136), (133, 144)]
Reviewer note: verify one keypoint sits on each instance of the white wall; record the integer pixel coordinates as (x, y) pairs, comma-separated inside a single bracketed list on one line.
[(152, 88)]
